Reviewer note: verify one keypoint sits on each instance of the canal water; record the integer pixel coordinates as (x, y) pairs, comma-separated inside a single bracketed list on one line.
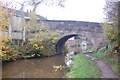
[(34, 68), (49, 67)]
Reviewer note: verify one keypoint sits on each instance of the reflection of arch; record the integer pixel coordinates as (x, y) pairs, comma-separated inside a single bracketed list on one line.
[(60, 43)]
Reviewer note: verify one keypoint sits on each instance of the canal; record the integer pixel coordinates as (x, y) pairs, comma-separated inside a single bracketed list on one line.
[(34, 68), (49, 67)]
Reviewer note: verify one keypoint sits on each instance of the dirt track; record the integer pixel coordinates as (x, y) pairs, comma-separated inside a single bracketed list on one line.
[(106, 70)]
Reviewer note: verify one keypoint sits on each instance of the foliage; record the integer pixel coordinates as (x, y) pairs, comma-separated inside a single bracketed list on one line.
[(110, 52), (6, 51), (42, 39), (111, 27), (83, 68), (67, 68), (111, 33)]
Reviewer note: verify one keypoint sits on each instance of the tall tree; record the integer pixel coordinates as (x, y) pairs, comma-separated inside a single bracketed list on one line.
[(111, 25), (111, 11)]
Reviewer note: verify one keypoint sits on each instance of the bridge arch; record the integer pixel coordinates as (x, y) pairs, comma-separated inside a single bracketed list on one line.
[(91, 30), (61, 42)]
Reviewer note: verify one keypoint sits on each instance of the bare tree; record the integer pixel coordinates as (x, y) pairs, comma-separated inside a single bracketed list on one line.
[(22, 5), (36, 3)]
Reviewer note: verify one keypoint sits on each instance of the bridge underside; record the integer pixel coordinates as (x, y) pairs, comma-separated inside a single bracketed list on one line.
[(61, 42)]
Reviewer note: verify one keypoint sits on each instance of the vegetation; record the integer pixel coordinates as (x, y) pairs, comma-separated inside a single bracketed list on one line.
[(110, 27), (7, 52), (112, 60), (83, 68), (110, 52), (111, 34), (42, 39), (41, 43)]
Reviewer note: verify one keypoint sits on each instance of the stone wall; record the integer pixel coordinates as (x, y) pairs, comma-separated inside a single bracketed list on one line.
[(91, 30), (73, 26)]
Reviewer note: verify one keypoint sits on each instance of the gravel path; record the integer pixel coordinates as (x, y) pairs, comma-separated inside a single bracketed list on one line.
[(106, 70)]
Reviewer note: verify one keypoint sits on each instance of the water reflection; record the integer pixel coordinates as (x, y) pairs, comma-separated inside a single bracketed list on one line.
[(34, 68), (83, 45), (73, 50), (68, 58)]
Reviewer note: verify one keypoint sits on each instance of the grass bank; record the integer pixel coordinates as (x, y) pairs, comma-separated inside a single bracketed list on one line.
[(83, 68), (112, 60)]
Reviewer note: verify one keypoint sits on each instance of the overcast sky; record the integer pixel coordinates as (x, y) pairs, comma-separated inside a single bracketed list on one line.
[(79, 10)]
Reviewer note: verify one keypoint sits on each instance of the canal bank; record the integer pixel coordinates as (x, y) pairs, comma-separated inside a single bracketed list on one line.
[(83, 68), (99, 66), (86, 66)]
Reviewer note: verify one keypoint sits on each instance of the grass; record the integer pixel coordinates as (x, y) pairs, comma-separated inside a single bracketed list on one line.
[(83, 68), (109, 59)]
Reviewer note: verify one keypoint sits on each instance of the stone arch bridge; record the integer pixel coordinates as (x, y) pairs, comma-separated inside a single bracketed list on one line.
[(91, 30)]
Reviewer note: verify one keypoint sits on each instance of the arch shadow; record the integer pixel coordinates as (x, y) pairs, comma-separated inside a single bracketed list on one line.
[(61, 42)]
